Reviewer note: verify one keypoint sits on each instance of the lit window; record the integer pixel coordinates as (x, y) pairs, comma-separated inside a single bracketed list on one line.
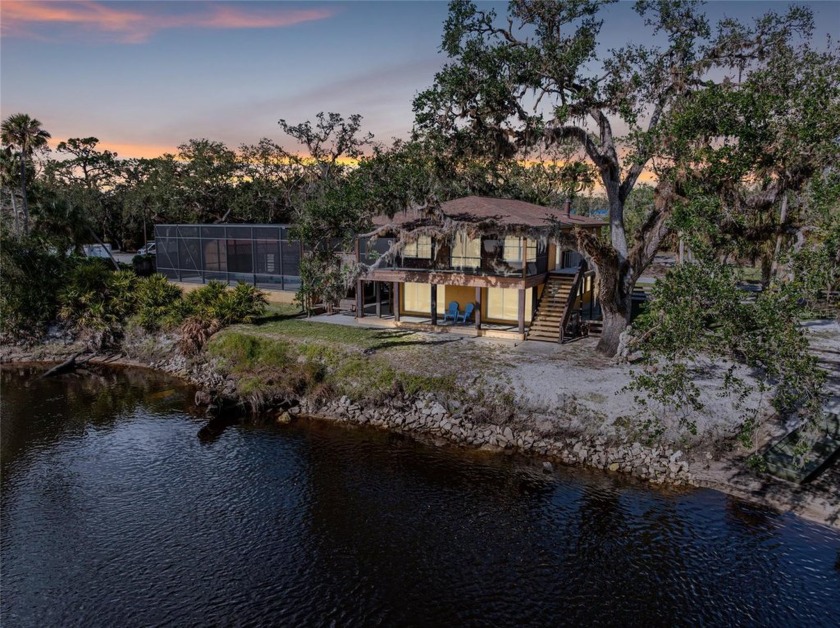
[(466, 252), (420, 248), (503, 304), (512, 249)]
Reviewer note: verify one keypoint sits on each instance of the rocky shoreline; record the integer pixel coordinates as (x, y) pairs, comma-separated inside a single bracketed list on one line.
[(432, 417), (429, 417)]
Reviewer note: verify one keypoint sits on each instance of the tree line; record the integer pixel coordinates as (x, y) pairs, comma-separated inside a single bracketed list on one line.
[(738, 122)]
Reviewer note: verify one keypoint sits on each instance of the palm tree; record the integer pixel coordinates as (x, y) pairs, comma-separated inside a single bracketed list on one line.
[(25, 134), (7, 178)]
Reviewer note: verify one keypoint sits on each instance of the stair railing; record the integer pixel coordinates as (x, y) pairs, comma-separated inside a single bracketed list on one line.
[(570, 300)]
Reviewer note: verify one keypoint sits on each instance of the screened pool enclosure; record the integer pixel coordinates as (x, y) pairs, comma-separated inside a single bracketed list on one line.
[(262, 255)]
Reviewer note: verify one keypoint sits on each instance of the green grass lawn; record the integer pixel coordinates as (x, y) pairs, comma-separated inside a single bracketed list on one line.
[(286, 321)]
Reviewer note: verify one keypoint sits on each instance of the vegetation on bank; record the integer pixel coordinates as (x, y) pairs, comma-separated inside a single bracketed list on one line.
[(98, 304), (276, 367)]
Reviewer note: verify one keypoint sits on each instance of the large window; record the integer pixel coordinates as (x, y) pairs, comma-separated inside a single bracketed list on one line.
[(513, 249), (503, 304), (466, 252), (417, 297), (420, 248)]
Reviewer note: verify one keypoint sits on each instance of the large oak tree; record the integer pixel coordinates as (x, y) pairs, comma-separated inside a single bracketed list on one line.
[(541, 77)]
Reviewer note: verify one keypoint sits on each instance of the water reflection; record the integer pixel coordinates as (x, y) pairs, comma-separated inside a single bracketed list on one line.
[(115, 513)]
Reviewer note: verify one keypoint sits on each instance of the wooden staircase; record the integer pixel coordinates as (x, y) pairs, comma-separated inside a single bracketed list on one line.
[(552, 306)]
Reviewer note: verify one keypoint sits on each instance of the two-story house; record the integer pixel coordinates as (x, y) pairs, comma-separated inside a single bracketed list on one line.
[(499, 262)]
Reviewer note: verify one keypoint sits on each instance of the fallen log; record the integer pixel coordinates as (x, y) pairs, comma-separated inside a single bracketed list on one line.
[(64, 367)]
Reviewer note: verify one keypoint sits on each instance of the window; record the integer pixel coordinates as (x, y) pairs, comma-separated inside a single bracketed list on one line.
[(513, 249), (531, 250), (417, 297), (420, 248), (503, 304), (466, 252)]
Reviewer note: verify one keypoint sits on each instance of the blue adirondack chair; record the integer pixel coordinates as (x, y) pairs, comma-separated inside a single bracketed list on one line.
[(468, 312), (452, 312)]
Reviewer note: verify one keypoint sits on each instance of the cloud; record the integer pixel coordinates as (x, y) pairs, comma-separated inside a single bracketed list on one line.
[(381, 94), (137, 23)]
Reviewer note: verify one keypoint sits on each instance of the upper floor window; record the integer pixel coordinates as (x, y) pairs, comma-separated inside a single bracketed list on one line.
[(420, 248), (466, 251), (514, 247)]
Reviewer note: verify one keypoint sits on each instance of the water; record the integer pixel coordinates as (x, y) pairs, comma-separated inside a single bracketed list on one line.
[(114, 513)]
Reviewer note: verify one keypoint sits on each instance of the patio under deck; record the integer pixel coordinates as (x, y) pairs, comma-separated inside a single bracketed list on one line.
[(425, 324)]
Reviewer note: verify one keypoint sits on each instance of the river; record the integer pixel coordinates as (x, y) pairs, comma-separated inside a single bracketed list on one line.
[(114, 513)]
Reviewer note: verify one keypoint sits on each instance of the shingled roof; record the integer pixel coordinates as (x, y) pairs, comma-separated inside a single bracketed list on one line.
[(505, 211)]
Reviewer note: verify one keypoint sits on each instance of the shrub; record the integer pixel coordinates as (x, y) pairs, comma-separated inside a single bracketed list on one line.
[(241, 305), (213, 306), (82, 299), (122, 286), (195, 332), (159, 303), (30, 279), (215, 301)]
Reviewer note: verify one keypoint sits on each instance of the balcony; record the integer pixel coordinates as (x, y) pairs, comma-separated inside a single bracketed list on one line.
[(482, 257)]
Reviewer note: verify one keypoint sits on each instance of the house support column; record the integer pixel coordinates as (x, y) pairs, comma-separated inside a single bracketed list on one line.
[(434, 304), (477, 311), (360, 299), (378, 296), (521, 318), (395, 294), (523, 243)]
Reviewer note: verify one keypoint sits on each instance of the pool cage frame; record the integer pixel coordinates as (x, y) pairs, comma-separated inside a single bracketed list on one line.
[(259, 254)]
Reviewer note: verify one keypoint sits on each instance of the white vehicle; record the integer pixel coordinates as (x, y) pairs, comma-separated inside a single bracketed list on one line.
[(97, 250), (149, 249)]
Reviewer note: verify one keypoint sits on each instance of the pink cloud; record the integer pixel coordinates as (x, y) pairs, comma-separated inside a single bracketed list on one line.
[(137, 23)]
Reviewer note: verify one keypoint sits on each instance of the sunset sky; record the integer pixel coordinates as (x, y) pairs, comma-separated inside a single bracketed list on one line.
[(144, 77)]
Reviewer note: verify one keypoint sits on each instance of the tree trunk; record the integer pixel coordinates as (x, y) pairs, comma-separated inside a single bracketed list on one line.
[(23, 192), (766, 268), (14, 211), (617, 269), (774, 267), (615, 289)]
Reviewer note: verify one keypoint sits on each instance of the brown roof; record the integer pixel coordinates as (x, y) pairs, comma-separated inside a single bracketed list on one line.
[(503, 210)]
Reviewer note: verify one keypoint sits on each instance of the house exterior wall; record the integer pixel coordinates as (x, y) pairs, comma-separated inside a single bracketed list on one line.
[(461, 294)]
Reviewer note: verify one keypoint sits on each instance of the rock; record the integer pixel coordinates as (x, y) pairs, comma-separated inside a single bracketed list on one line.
[(508, 434), (675, 456), (437, 410), (547, 467), (284, 418), (613, 466), (203, 398)]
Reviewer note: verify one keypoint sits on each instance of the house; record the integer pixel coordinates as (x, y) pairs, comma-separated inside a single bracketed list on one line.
[(500, 255)]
